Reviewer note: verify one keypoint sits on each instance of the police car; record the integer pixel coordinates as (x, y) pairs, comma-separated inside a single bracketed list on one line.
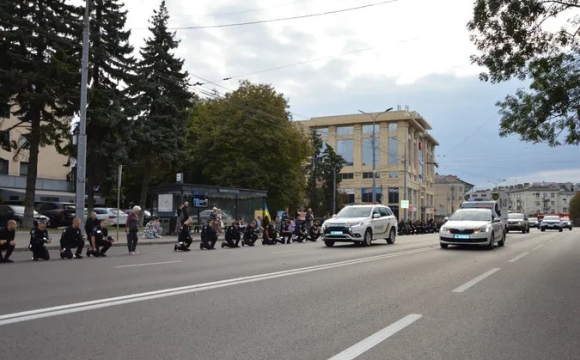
[(360, 224)]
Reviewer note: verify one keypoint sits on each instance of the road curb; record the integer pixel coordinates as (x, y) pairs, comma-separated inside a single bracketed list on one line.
[(141, 242)]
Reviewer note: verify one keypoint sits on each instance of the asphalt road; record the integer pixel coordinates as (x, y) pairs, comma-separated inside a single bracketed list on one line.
[(410, 300)]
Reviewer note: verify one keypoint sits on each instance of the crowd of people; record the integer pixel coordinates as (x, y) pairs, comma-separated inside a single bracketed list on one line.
[(416, 227)]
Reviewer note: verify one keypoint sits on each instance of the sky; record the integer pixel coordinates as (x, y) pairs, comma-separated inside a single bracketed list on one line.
[(405, 52)]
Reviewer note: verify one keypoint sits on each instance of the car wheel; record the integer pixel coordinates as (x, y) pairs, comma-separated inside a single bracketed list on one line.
[(392, 237), (329, 243), (528, 231), (491, 242), (560, 230), (502, 241), (507, 231), (524, 230), (368, 238), (444, 246)]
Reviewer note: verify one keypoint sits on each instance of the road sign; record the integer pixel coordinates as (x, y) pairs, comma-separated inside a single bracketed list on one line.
[(404, 204)]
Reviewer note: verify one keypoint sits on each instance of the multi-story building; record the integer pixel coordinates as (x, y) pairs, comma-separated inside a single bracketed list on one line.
[(540, 199), (51, 184), (402, 140), (449, 194)]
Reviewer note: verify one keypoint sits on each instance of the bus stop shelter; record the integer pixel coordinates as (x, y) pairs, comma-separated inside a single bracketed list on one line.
[(235, 203)]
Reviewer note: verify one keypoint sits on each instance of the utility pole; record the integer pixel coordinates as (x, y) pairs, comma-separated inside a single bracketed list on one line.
[(334, 189), (374, 151), (82, 135), (405, 180)]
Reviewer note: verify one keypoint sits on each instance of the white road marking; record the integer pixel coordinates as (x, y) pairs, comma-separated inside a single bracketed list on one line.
[(126, 299), (518, 257), (147, 264), (470, 283), (539, 246), (375, 339), (286, 251)]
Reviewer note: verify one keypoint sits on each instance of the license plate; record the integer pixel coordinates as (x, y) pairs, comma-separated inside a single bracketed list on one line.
[(336, 233), (462, 236)]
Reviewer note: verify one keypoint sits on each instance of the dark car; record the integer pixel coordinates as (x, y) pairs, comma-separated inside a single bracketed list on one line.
[(60, 214), (518, 222), (16, 213)]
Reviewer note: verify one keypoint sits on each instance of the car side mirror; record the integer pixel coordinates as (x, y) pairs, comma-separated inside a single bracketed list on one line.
[(497, 220), (333, 216), (446, 218), (376, 216)]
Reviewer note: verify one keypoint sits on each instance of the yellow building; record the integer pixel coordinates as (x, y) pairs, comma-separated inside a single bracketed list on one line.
[(449, 194), (51, 184), (402, 139)]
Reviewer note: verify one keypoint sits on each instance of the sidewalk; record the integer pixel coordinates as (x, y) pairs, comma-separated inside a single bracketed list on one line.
[(22, 239)]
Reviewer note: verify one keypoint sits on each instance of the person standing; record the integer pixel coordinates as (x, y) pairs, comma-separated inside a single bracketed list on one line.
[(185, 212), (179, 221), (132, 228), (7, 235)]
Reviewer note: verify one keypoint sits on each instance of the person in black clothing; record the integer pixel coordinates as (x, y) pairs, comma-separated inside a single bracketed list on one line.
[(39, 237), (301, 232), (72, 238), (7, 241), (100, 238), (269, 236), (208, 236), (250, 235), (232, 236), (285, 233), (91, 224), (313, 232), (184, 240), (285, 215), (185, 212)]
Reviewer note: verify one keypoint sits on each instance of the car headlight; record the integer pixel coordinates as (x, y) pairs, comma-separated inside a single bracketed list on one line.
[(521, 222), (483, 229), (355, 224), (444, 229)]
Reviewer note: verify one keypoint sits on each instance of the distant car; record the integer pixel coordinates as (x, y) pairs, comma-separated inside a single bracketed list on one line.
[(110, 214), (566, 223), (16, 213), (519, 222), (533, 222), (472, 227), (227, 219), (59, 213), (551, 223)]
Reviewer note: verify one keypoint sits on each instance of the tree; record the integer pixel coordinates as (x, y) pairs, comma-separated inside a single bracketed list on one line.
[(247, 140), (162, 100), (39, 76), (514, 42), (111, 66), (575, 208), (331, 165)]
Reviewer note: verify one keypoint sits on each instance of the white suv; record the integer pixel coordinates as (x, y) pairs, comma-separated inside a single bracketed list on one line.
[(360, 224)]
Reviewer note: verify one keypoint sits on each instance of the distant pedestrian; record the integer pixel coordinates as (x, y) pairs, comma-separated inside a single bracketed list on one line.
[(179, 221), (132, 228), (7, 244), (185, 212)]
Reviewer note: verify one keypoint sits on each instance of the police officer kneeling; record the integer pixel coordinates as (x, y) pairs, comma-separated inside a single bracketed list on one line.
[(72, 238), (100, 238), (232, 237), (184, 240), (38, 238), (208, 236)]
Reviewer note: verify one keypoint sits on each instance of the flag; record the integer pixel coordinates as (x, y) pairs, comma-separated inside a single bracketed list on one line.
[(266, 212)]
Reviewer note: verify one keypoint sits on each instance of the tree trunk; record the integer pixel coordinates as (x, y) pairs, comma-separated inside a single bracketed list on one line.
[(145, 186), (32, 170)]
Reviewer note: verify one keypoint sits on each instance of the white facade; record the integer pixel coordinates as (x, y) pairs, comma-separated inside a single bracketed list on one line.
[(541, 200)]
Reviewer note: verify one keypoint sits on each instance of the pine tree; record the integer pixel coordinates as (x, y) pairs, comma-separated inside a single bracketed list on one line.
[(162, 99), (111, 66), (39, 75)]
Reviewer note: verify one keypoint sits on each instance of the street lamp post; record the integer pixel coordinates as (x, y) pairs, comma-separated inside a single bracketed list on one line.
[(374, 117), (405, 146), (497, 182)]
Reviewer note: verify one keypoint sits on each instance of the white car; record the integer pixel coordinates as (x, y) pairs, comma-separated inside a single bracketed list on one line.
[(360, 224), (551, 223), (110, 214), (472, 227)]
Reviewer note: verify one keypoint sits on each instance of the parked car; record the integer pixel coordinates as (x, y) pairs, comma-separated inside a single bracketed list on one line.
[(60, 214), (110, 214), (16, 212)]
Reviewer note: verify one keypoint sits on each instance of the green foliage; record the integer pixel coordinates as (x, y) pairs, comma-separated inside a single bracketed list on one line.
[(514, 42), (39, 76), (246, 140), (162, 104), (575, 209)]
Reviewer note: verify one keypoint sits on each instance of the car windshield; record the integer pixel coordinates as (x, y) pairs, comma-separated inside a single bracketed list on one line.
[(533, 219), (477, 205), (471, 215), (354, 212), (552, 218), (516, 216)]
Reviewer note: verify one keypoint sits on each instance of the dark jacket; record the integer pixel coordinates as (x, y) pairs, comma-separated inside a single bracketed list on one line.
[(184, 234), (100, 233), (38, 237), (70, 237), (7, 235), (90, 225), (208, 233), (185, 214), (251, 233), (232, 233)]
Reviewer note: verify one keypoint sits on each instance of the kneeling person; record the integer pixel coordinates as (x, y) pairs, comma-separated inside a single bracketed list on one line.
[(72, 238), (7, 235), (184, 240), (208, 236), (232, 236), (38, 238), (100, 238)]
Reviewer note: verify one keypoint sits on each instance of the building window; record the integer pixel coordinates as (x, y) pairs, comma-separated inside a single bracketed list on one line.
[(393, 150), (564, 200), (368, 129), (322, 132), (347, 199), (346, 176), (537, 203), (367, 151), (393, 174), (552, 195), (565, 210), (23, 168), (392, 127), (553, 203), (4, 166), (344, 130), (367, 195), (4, 111), (22, 141), (368, 175), (393, 195), (344, 148)]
